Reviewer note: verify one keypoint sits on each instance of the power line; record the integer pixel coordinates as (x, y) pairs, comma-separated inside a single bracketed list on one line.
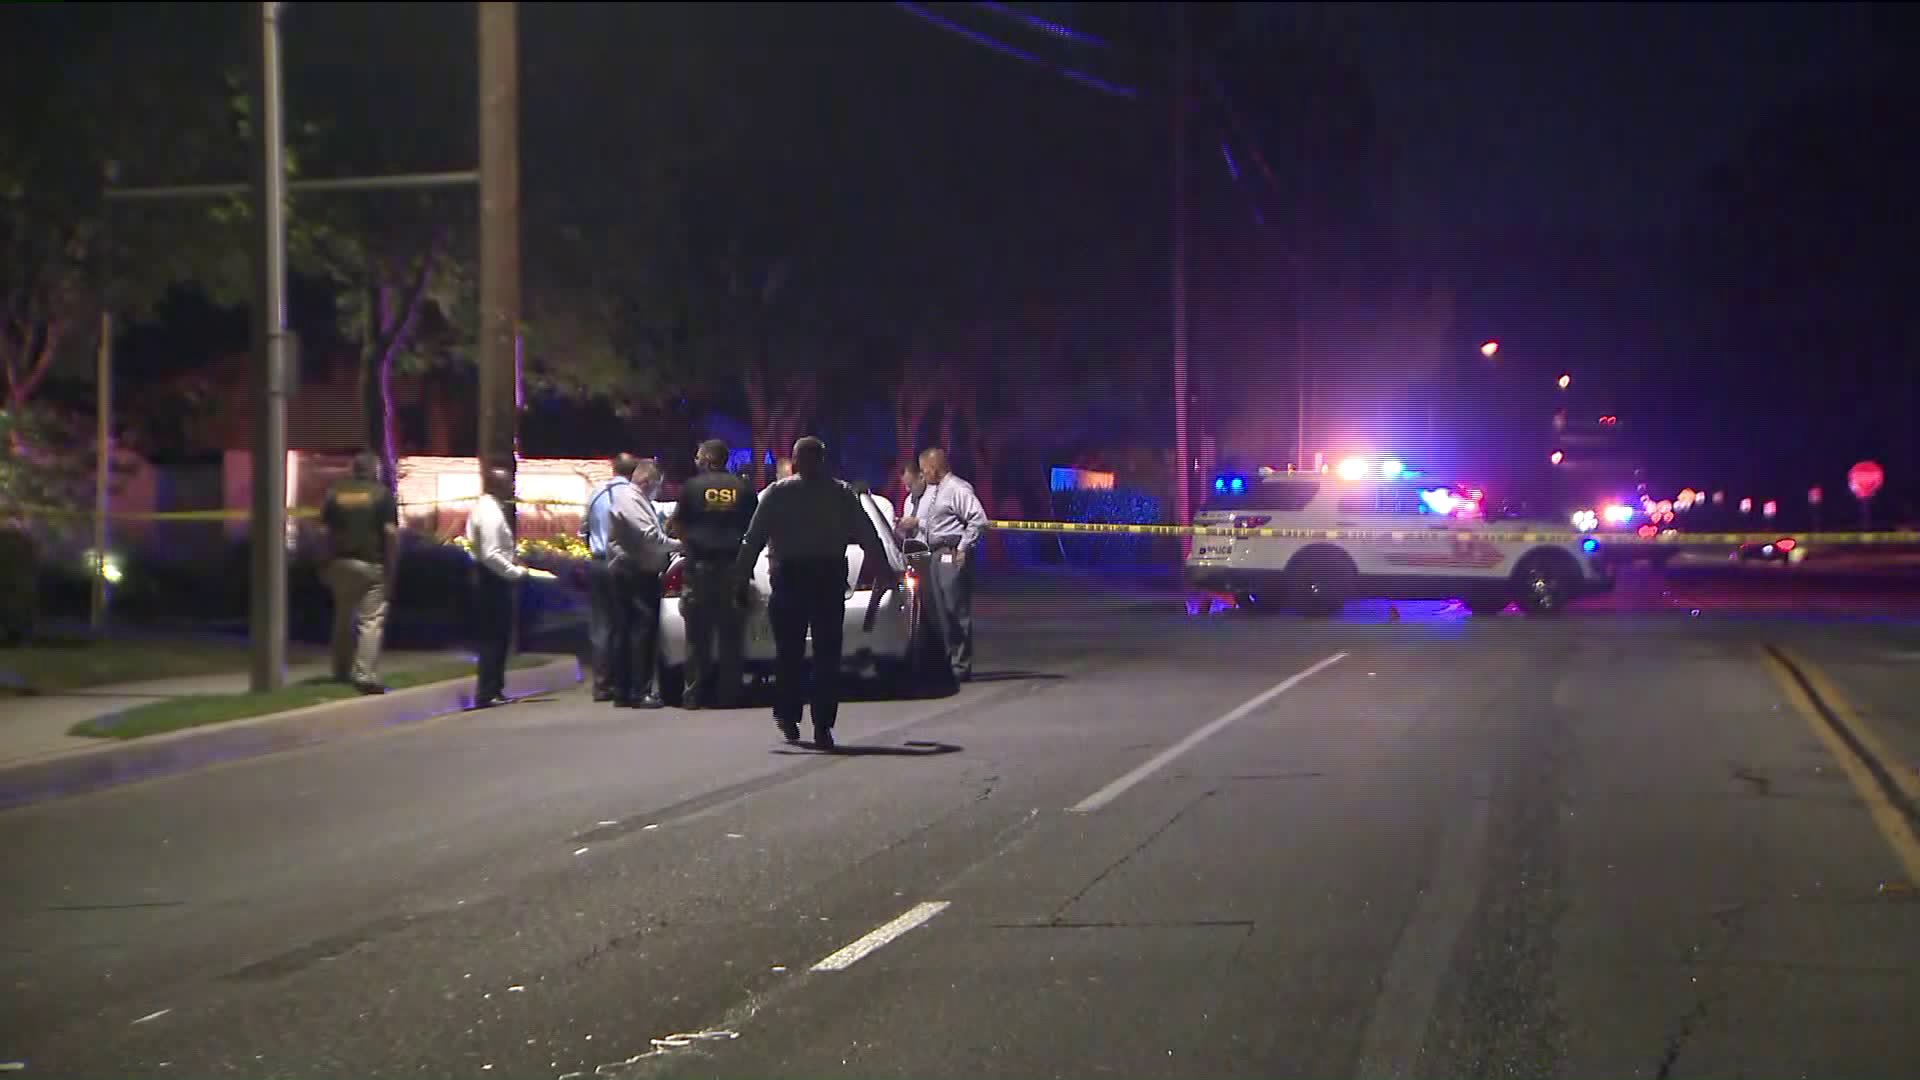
[(1086, 79)]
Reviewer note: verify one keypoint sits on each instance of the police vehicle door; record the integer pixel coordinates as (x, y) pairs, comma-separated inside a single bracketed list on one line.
[(1400, 537)]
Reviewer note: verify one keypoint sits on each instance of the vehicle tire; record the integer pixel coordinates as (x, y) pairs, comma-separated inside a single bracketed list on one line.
[(1321, 583), (1544, 582), (670, 682)]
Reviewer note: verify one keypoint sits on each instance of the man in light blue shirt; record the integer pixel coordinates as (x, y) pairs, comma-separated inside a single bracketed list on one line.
[(596, 528)]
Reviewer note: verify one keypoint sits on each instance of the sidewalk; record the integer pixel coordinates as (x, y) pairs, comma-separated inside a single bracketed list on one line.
[(35, 728)]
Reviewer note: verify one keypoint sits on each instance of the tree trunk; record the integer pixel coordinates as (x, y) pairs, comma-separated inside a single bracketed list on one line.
[(758, 419), (376, 384)]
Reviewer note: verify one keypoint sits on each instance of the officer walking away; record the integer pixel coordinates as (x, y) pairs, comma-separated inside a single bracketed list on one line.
[(711, 520), (496, 569), (810, 519), (639, 552), (952, 522), (596, 526), (363, 537)]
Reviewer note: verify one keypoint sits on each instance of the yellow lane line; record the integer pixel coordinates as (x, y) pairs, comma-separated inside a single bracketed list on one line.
[(1848, 748)]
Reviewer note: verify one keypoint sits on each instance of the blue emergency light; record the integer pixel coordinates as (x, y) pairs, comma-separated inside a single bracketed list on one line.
[(1234, 484)]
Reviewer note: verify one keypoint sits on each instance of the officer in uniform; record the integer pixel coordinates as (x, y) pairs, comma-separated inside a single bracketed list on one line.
[(363, 539), (810, 518), (711, 520)]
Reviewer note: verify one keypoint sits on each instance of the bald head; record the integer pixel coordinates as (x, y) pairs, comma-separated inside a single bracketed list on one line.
[(624, 465), (498, 482), (809, 456), (933, 464)]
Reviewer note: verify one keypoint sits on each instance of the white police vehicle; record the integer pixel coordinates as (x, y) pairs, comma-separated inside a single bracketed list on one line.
[(1364, 535), (893, 648)]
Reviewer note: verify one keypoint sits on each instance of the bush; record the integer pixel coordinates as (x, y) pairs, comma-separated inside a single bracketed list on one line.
[(19, 591), (1118, 506)]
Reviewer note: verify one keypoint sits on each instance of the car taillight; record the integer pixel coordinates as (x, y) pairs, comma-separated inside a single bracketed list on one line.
[(1255, 522), (675, 579), (1785, 543)]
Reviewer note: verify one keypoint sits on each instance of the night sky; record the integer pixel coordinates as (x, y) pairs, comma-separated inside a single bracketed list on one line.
[(1551, 162)]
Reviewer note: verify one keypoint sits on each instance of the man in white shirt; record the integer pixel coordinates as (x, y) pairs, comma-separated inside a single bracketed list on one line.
[(495, 570), (915, 484), (638, 552), (952, 522), (810, 519)]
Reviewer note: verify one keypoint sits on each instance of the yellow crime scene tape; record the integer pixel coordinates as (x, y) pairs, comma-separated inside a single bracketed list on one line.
[(1085, 528), (1614, 540)]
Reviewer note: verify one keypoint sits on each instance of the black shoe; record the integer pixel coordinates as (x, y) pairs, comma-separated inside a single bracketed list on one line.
[(488, 703), (691, 703), (789, 729), (648, 701), (370, 687), (602, 695), (822, 738)]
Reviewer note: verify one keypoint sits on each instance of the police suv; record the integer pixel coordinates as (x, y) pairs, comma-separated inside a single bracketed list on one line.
[(1321, 541)]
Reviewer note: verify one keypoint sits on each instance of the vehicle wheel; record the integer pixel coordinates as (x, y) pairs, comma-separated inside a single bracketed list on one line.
[(670, 681), (1545, 584), (1320, 588)]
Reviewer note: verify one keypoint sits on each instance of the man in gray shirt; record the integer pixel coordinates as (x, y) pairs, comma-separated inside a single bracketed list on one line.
[(952, 522), (638, 552), (810, 519)]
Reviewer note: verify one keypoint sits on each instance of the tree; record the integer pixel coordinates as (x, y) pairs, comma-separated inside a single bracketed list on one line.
[(87, 86)]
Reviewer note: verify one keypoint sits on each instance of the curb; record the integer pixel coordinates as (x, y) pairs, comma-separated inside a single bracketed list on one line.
[(93, 769)]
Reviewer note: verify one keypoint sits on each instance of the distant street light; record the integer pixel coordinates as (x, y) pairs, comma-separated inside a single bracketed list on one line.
[(1556, 457), (1489, 349), (1565, 381)]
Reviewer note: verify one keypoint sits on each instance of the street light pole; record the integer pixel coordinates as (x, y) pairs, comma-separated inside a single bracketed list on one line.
[(268, 622)]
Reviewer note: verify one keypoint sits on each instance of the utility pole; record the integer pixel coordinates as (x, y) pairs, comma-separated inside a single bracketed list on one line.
[(103, 410), (1182, 454), (268, 624), (499, 232)]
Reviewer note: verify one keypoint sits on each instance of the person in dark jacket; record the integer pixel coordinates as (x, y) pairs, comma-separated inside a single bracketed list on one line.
[(711, 520), (810, 519)]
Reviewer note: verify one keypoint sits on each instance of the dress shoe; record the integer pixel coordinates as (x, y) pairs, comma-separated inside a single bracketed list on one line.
[(647, 701), (789, 729), (822, 738)]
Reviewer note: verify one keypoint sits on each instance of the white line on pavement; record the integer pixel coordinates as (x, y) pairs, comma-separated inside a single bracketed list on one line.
[(852, 954), (1160, 760)]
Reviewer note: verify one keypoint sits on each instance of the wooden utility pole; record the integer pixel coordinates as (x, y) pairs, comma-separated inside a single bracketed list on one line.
[(499, 232), (1182, 452), (268, 622)]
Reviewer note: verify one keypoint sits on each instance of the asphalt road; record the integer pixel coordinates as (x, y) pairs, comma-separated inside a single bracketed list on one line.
[(1143, 843)]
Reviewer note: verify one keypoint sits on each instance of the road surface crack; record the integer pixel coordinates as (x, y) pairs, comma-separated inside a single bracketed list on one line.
[(1128, 857)]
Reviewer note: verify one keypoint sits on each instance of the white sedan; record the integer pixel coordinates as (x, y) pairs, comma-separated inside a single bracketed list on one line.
[(893, 649)]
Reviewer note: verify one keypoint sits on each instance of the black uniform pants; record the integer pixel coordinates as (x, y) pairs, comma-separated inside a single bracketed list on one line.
[(633, 631), (600, 625), (716, 623), (809, 595), (493, 630)]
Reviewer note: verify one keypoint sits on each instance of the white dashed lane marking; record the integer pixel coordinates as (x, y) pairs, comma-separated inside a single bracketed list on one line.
[(880, 936)]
